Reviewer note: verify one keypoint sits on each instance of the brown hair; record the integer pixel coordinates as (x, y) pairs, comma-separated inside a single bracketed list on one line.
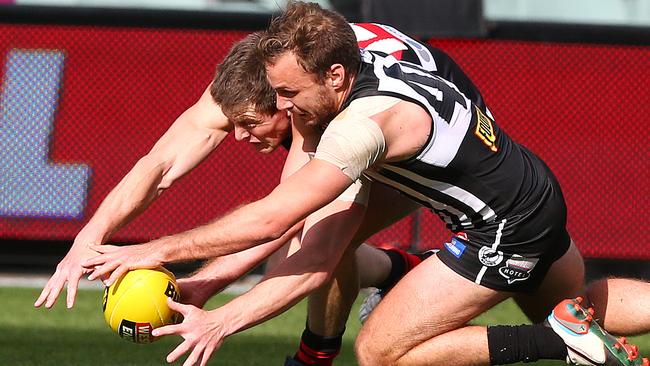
[(318, 37), (241, 80)]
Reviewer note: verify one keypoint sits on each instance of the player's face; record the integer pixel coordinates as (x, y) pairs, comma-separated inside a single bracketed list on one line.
[(300, 92), (264, 132)]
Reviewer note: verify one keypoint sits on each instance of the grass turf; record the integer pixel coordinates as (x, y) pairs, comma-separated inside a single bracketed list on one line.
[(30, 336)]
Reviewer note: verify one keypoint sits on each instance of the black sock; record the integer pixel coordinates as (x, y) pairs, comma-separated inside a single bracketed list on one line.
[(397, 270), (318, 350), (524, 343)]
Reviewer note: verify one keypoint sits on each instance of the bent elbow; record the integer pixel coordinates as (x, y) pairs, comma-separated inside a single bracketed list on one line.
[(321, 277), (266, 227), (165, 183), (321, 269), (272, 223)]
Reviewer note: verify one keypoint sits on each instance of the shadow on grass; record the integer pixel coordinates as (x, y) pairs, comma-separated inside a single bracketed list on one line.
[(80, 336), (32, 346)]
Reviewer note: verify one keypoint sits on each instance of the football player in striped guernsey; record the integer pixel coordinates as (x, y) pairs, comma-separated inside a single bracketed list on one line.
[(400, 124), (183, 147), (396, 123), (193, 137)]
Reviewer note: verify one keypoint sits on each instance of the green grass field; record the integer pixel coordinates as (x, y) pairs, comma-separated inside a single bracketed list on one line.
[(30, 336)]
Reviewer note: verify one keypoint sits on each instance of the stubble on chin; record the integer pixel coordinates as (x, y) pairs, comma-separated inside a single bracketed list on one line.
[(325, 118), (303, 120), (325, 115)]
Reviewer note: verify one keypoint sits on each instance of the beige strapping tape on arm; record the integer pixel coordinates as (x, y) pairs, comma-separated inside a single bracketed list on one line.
[(352, 143)]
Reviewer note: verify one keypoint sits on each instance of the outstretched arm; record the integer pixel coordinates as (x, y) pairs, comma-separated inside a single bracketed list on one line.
[(327, 234), (310, 188), (197, 132), (189, 140), (326, 239), (349, 146), (220, 272)]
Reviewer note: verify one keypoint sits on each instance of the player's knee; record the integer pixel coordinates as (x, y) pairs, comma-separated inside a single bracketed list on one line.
[(366, 357), (370, 353)]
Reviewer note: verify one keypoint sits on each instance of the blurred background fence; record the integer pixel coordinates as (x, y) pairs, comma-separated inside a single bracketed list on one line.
[(88, 87)]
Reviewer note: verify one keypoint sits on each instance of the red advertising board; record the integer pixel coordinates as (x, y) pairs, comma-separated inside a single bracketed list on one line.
[(81, 104)]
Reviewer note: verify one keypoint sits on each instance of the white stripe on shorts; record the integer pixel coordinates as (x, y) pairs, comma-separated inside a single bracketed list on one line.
[(497, 241)]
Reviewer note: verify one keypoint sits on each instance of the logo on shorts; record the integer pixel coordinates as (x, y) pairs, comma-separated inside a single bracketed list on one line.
[(455, 247), (517, 268), (490, 257)]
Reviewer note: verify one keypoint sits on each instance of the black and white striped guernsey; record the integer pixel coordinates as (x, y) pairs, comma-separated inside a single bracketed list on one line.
[(469, 172)]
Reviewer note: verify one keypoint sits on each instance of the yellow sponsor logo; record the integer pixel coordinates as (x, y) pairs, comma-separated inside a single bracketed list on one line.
[(485, 130)]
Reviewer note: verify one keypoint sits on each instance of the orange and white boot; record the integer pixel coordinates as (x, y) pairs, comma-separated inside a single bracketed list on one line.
[(587, 343)]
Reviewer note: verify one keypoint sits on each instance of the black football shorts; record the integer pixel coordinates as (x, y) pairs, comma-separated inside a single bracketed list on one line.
[(513, 253)]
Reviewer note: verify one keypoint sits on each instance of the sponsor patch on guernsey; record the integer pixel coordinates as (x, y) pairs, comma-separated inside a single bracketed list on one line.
[(485, 130), (456, 247)]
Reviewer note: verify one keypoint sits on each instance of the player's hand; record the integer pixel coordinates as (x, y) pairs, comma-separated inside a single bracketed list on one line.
[(114, 261), (196, 291), (203, 334), (69, 271)]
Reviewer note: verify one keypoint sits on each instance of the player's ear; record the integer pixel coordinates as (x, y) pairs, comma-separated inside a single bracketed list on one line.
[(337, 76)]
